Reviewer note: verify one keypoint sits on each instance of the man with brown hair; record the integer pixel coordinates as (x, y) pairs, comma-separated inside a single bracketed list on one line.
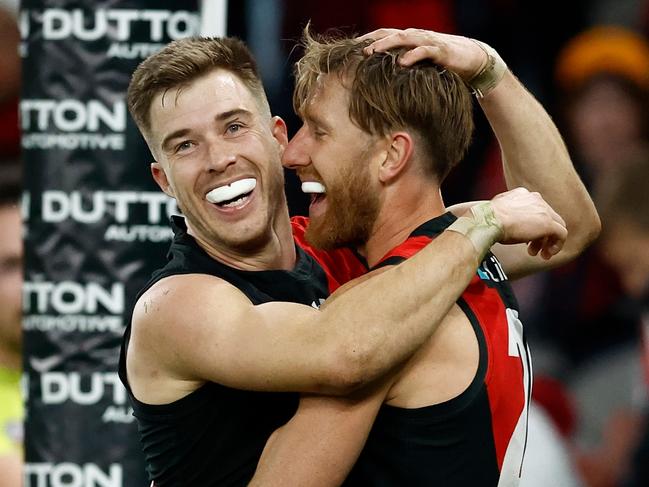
[(230, 320), (395, 122)]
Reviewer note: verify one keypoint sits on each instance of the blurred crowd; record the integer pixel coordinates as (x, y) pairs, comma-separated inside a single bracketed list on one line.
[(587, 61)]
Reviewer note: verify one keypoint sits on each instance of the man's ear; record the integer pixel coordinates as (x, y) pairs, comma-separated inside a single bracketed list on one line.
[(160, 177), (397, 157), (278, 129)]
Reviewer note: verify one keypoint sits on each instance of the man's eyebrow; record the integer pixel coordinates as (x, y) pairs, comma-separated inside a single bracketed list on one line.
[(232, 113), (171, 136), (315, 119), (219, 118)]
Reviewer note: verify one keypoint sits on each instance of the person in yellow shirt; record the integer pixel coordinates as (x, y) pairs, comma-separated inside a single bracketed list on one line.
[(11, 404)]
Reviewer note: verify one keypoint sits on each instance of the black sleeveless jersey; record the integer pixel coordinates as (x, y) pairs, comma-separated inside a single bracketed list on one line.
[(215, 435), (477, 438)]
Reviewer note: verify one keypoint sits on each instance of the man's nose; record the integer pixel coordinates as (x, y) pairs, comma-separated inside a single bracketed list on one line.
[(220, 156), (296, 153)]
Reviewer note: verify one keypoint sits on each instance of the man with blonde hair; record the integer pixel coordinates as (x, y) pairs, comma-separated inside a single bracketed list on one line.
[(385, 118)]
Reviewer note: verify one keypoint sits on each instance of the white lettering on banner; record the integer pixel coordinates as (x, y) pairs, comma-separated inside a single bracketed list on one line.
[(72, 323), (138, 233), (58, 206), (73, 141), (59, 387), (25, 206), (23, 24), (69, 297), (138, 50), (113, 24), (70, 115), (118, 414), (72, 475)]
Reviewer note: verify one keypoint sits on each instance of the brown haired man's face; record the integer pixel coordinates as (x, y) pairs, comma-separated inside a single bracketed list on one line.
[(218, 155), (330, 150)]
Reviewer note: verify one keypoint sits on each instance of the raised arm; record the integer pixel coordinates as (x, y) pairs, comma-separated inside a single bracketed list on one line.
[(213, 333), (533, 153)]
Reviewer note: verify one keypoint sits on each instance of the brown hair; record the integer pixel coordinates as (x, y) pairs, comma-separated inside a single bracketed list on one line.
[(183, 61), (386, 96)]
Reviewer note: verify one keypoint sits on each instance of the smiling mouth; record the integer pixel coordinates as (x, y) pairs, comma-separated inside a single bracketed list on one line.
[(316, 190), (232, 195)]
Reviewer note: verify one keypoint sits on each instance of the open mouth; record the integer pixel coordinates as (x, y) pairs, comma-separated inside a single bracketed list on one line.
[(316, 190), (232, 195)]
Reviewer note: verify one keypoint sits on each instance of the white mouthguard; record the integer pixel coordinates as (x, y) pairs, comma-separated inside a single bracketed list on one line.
[(231, 191), (313, 187)]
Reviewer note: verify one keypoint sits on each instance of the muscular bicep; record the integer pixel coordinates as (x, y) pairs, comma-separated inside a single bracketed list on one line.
[(201, 328), (320, 444)]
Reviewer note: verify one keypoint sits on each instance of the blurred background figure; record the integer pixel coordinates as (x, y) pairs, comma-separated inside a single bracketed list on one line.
[(11, 253), (603, 78), (625, 212), (11, 275), (583, 323)]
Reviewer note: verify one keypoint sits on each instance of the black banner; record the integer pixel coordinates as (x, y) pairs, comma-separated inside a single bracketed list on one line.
[(96, 227)]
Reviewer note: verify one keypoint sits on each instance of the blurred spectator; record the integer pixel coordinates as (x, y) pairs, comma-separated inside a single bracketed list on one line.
[(625, 213), (603, 75), (11, 253), (584, 323), (603, 79)]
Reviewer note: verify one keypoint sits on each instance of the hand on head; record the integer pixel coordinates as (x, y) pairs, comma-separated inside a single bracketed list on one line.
[(459, 54)]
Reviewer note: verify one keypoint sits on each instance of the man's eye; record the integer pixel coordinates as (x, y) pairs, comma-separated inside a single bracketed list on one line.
[(183, 146), (233, 128)]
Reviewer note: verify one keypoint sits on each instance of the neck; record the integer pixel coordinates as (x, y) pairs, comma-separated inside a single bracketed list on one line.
[(406, 205), (275, 252)]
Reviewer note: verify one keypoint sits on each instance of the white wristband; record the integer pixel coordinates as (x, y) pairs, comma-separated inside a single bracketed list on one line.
[(483, 229), (490, 75)]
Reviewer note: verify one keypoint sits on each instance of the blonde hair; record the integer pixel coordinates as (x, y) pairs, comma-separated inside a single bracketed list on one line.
[(385, 96)]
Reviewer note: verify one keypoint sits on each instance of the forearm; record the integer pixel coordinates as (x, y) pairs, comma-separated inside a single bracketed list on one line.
[(535, 157), (415, 296), (320, 444)]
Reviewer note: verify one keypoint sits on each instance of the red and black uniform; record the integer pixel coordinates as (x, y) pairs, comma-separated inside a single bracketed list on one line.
[(478, 437), (215, 435)]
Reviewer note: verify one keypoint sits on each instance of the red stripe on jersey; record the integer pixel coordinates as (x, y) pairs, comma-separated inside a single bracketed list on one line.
[(408, 248), (504, 378), (340, 265)]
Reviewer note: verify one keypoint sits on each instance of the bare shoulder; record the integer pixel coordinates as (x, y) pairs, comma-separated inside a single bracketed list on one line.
[(442, 368), (181, 299), (175, 323)]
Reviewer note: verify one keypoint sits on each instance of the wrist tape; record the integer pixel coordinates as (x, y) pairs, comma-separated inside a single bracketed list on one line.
[(483, 229), (490, 75)]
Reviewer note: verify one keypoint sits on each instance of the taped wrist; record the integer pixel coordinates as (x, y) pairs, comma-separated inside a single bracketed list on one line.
[(482, 228), (490, 75)]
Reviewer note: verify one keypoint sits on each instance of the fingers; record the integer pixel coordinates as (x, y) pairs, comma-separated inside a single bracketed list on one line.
[(535, 246), (419, 54), (377, 34), (550, 245), (386, 39)]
